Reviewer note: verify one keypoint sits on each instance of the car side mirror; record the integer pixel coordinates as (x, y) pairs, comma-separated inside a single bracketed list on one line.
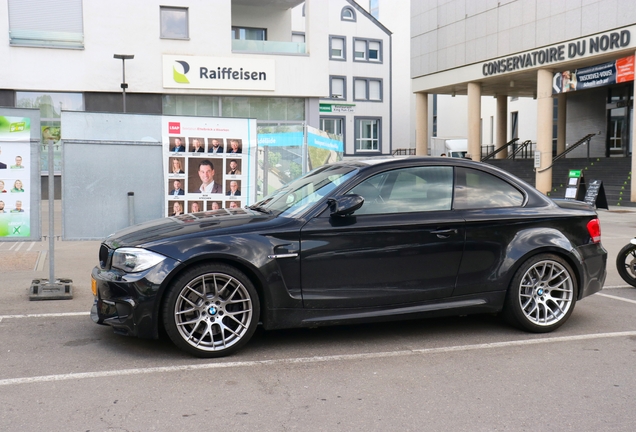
[(344, 205)]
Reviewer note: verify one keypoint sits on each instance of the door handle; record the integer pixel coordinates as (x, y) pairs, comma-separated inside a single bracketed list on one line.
[(444, 233)]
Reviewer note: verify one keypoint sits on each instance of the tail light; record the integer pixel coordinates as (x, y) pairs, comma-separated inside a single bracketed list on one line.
[(594, 228)]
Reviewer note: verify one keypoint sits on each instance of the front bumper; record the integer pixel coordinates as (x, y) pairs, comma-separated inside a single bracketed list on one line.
[(130, 302)]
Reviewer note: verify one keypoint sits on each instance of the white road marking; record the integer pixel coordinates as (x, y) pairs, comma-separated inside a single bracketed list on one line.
[(48, 315), (305, 360), (617, 287), (31, 247), (617, 298)]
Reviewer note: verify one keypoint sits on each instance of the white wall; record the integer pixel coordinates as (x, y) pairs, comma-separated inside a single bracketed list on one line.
[(137, 31), (277, 22)]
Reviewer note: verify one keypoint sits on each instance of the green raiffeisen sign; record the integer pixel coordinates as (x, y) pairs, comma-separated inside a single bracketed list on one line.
[(574, 174), (336, 108)]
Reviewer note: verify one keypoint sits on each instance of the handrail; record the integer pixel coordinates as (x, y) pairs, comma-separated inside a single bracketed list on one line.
[(505, 146), (403, 151), (586, 139), (521, 147)]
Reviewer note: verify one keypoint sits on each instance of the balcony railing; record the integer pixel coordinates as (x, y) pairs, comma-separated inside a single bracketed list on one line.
[(268, 47)]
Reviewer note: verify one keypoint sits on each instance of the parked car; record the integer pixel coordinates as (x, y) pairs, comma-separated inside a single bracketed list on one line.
[(354, 242)]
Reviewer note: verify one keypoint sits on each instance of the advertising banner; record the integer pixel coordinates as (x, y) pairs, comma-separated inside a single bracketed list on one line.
[(618, 71), (208, 163), (15, 176)]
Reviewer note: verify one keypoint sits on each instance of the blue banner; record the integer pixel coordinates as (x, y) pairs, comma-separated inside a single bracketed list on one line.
[(324, 142), (282, 139)]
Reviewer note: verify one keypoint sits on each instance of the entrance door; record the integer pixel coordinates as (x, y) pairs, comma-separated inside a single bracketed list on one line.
[(619, 112)]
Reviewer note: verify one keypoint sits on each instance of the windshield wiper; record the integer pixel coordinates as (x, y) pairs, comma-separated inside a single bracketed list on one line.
[(260, 209)]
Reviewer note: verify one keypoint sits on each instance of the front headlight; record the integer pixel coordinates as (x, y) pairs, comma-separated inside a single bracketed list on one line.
[(133, 260)]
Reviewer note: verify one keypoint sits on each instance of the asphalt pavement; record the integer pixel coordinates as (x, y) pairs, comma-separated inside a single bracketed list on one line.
[(61, 372)]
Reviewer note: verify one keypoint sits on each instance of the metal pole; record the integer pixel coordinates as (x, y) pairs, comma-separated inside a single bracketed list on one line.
[(123, 84), (51, 215), (131, 208)]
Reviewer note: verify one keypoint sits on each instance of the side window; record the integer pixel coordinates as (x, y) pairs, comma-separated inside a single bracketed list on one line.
[(476, 189), (407, 190)]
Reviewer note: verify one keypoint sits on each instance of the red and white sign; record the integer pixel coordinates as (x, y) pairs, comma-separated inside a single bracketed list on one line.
[(174, 127)]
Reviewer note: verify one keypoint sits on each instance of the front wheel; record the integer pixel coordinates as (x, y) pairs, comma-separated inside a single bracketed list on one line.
[(542, 294), (211, 310), (626, 264)]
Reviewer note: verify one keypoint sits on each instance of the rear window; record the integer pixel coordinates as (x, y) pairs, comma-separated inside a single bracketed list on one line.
[(477, 189)]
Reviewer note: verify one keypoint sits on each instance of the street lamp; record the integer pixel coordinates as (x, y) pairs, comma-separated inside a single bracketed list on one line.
[(124, 86)]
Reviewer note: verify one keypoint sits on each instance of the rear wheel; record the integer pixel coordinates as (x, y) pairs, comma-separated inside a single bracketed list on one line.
[(542, 294), (626, 264), (211, 310)]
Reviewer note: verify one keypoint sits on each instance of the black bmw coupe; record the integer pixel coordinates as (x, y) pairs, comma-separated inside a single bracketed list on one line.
[(354, 242)]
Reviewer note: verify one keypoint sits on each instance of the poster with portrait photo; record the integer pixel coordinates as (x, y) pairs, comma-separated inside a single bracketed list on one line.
[(15, 176), (195, 206), (176, 188), (177, 144), (233, 166), (197, 145), (176, 166), (209, 168), (235, 146), (214, 205), (205, 175), (233, 204), (216, 145), (175, 208), (233, 188)]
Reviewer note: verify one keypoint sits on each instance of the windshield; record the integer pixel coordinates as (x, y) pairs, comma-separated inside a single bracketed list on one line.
[(296, 197)]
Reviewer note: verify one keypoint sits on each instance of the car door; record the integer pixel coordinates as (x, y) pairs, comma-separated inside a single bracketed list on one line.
[(494, 214), (403, 245)]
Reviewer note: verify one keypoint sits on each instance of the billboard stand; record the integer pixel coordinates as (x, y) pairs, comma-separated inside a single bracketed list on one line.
[(51, 288)]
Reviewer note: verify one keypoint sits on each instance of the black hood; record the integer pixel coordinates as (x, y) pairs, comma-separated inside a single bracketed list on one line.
[(195, 224)]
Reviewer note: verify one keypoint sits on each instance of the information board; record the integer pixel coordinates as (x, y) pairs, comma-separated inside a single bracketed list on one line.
[(595, 195)]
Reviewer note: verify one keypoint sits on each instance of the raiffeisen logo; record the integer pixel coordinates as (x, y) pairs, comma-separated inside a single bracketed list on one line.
[(174, 128), (179, 72)]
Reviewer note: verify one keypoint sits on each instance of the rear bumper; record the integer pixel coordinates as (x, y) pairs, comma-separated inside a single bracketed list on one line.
[(594, 269)]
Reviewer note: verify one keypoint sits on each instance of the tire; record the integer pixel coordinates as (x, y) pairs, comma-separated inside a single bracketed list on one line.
[(211, 310), (542, 294), (626, 264)]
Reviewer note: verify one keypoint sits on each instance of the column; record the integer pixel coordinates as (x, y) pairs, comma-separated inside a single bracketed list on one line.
[(502, 126), (561, 115), (633, 150), (421, 124), (544, 130), (474, 119)]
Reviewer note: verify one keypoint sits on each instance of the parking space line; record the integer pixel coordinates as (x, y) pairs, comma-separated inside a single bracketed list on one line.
[(617, 298), (48, 315), (305, 360)]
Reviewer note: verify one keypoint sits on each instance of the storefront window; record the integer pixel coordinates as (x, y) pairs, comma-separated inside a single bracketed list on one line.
[(203, 106), (50, 106), (260, 108)]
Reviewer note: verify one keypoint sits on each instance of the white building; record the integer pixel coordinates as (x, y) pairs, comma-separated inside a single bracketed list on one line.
[(573, 61), (359, 103), (59, 56)]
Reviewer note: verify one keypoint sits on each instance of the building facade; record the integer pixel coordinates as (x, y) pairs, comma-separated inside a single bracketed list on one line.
[(572, 62), (359, 104), (226, 58)]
